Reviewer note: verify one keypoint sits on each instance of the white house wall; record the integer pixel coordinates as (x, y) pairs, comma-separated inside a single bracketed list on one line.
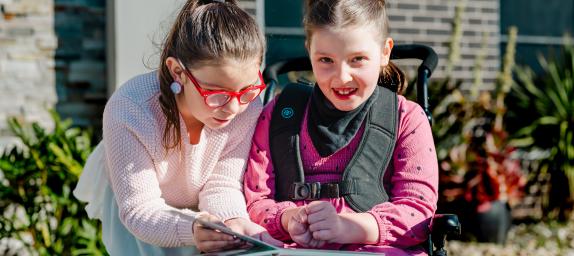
[(135, 27)]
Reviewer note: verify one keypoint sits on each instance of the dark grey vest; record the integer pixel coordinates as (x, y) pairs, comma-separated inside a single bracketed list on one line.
[(361, 185)]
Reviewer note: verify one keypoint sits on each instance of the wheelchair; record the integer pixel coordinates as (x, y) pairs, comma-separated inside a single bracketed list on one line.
[(443, 224)]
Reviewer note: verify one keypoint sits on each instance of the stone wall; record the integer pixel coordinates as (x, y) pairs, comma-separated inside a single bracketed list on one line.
[(27, 47), (429, 22)]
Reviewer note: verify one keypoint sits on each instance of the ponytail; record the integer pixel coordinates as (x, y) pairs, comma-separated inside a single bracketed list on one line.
[(393, 78)]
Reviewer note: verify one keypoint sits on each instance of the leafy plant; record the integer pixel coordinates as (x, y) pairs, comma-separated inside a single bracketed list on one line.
[(478, 164), (544, 107), (36, 181), (476, 159)]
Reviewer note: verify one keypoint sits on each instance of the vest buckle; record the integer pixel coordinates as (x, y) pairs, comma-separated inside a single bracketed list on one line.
[(306, 191)]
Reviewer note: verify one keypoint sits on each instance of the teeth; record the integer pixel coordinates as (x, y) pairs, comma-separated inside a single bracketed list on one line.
[(345, 91)]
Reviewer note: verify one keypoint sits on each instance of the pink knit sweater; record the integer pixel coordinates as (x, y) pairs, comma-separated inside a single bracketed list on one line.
[(403, 221), (154, 189)]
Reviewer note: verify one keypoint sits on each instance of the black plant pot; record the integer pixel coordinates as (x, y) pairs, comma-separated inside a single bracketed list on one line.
[(493, 225)]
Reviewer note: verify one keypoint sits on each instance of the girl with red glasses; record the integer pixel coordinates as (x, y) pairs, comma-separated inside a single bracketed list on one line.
[(176, 140)]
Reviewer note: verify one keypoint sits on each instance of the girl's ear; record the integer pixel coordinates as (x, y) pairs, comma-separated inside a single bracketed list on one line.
[(386, 53), (175, 69)]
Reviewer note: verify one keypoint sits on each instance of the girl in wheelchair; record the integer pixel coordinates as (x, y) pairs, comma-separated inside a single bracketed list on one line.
[(347, 164)]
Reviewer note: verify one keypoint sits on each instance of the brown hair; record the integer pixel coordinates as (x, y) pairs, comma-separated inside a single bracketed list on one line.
[(344, 13), (205, 32)]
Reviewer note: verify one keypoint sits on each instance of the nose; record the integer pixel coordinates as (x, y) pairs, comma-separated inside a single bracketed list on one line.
[(232, 107), (344, 73)]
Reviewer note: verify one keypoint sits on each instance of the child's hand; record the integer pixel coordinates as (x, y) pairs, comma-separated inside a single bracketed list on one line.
[(325, 223), (249, 228), (298, 229), (209, 240)]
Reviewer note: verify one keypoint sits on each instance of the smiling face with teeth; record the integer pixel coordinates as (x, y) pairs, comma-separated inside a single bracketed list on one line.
[(347, 62)]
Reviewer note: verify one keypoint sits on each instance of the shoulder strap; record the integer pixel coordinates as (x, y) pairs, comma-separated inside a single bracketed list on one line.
[(284, 137), (368, 165)]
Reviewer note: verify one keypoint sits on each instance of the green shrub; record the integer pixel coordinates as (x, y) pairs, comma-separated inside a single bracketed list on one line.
[(543, 109), (40, 215)]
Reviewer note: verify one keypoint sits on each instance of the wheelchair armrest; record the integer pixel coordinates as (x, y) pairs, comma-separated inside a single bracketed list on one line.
[(443, 225)]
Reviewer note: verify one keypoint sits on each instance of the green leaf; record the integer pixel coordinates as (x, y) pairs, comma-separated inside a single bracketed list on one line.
[(521, 142), (548, 120), (16, 127), (73, 166), (526, 131)]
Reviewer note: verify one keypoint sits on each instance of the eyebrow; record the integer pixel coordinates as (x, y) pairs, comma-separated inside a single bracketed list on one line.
[(321, 53), (359, 52)]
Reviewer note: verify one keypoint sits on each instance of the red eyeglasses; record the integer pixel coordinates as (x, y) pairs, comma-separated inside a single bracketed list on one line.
[(219, 98)]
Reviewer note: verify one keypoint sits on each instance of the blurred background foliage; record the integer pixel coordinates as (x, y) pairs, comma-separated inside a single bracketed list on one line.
[(495, 145), (40, 215), (513, 144), (543, 118)]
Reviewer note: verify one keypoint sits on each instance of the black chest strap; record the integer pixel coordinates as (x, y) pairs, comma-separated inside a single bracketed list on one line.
[(361, 183), (284, 138)]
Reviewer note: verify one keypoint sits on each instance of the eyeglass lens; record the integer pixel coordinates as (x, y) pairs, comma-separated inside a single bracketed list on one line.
[(220, 99)]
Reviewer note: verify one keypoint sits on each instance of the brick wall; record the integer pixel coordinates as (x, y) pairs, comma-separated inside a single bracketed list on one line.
[(27, 78), (429, 22)]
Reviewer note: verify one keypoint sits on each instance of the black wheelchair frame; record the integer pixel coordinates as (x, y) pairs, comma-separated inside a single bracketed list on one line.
[(443, 224)]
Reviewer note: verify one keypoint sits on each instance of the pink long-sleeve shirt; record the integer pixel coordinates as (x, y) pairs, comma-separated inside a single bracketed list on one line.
[(403, 221)]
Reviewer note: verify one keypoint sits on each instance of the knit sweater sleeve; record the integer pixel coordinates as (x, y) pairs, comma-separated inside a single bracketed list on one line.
[(404, 221), (128, 139), (222, 195), (259, 181)]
